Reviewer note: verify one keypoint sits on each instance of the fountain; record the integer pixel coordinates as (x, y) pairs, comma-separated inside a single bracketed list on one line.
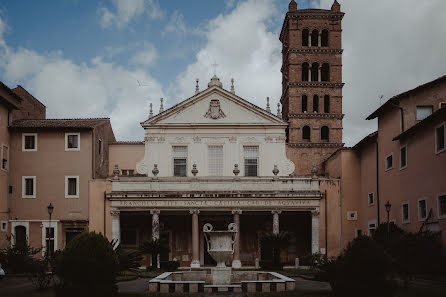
[(220, 245)]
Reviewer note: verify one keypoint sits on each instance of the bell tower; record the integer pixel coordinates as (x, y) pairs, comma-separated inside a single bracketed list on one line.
[(312, 84)]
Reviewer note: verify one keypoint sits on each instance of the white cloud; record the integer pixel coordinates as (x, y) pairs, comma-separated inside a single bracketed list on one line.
[(146, 56), (390, 46), (244, 49), (175, 24), (126, 10), (92, 89)]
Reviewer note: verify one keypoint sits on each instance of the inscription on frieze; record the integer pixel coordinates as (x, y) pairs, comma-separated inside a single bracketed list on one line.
[(284, 203)]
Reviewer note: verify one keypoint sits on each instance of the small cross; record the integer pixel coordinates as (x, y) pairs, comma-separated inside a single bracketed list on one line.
[(215, 67)]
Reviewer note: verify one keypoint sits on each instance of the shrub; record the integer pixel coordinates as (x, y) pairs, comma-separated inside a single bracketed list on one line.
[(154, 247), (361, 269), (274, 243), (128, 260), (40, 275), (18, 258), (87, 267)]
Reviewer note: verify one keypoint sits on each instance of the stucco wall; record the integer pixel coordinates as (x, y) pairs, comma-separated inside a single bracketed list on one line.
[(50, 164), (126, 156)]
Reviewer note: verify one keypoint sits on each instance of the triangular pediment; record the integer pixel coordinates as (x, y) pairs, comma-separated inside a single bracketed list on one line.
[(214, 106)]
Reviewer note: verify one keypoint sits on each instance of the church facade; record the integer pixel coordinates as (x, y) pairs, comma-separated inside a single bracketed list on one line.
[(217, 158)]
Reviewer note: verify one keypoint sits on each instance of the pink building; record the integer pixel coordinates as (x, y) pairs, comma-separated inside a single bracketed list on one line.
[(403, 162)]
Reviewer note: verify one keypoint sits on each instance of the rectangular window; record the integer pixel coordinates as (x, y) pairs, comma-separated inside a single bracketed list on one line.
[(371, 200), (442, 206), (389, 162), (179, 160), (403, 157), (4, 226), (422, 209), (215, 160), (128, 172), (29, 142), (423, 112), (28, 187), (251, 158), (72, 141), (71, 186), (358, 232), (405, 213), (440, 136), (49, 241), (5, 157), (442, 105), (372, 228)]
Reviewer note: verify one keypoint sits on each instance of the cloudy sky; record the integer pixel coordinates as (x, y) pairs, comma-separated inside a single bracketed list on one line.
[(112, 58)]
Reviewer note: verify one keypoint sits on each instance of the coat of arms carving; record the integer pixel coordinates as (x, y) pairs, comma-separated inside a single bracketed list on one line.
[(214, 111)]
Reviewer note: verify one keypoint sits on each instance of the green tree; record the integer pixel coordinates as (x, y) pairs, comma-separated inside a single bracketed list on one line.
[(154, 247), (87, 267)]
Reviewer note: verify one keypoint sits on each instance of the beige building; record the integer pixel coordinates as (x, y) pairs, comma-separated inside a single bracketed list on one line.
[(217, 158)]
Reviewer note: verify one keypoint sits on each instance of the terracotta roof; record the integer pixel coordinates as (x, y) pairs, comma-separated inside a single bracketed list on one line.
[(366, 140), (439, 114), (23, 93), (8, 103), (127, 142), (396, 99), (84, 124)]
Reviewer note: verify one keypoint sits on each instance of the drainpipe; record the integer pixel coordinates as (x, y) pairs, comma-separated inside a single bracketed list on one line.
[(105, 202), (377, 179), (340, 213), (326, 226), (402, 115)]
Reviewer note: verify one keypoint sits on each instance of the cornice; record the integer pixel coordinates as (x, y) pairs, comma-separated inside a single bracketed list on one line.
[(339, 116), (316, 144), (316, 84), (316, 50)]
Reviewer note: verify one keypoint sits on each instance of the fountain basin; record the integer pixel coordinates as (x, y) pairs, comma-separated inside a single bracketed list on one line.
[(201, 281)]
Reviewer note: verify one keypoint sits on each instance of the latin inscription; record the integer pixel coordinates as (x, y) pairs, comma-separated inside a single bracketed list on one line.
[(215, 203)]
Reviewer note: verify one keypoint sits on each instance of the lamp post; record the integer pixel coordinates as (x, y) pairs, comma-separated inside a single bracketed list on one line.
[(388, 206), (50, 212)]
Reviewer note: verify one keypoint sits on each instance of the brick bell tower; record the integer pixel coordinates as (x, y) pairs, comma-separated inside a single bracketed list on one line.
[(312, 84)]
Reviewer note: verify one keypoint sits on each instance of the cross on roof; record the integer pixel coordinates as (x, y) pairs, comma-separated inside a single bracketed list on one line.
[(215, 67)]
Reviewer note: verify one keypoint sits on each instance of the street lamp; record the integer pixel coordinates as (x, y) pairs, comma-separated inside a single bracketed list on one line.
[(50, 212), (388, 206)]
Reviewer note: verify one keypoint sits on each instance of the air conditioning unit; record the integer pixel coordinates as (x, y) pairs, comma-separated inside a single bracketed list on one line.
[(352, 215)]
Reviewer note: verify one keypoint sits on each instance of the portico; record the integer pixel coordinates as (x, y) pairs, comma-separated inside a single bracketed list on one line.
[(181, 214)]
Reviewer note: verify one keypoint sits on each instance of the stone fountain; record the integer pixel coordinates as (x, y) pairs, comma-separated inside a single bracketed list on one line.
[(220, 245)]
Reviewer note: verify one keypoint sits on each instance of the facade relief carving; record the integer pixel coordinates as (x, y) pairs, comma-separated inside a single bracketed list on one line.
[(141, 167), (214, 112)]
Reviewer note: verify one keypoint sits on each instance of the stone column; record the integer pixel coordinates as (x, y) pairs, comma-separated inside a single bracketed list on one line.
[(309, 39), (319, 74), (155, 224), (319, 42), (195, 239), (156, 229), (276, 214), (116, 227), (309, 73), (314, 231), (236, 263)]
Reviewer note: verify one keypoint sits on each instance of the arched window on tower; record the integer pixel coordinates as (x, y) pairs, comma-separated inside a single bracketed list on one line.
[(306, 133), (326, 104), (314, 37), (324, 133), (305, 35), (325, 72), (324, 37), (305, 68), (304, 103), (315, 103), (315, 72)]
